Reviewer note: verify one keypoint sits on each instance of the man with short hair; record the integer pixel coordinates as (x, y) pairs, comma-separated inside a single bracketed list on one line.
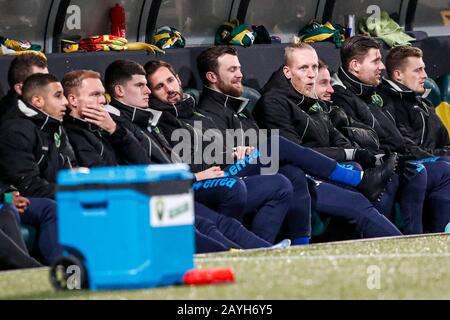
[(356, 91), (20, 69), (33, 147), (289, 103), (96, 139), (402, 92), (166, 88), (357, 132), (35, 138)]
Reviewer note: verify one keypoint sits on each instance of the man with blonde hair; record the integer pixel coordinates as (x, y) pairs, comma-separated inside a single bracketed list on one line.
[(289, 103), (97, 140)]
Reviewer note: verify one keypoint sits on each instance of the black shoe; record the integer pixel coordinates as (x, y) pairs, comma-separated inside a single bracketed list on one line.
[(374, 180)]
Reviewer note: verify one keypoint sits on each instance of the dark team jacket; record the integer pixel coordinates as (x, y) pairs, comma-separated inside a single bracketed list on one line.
[(33, 148), (362, 103), (227, 113), (415, 117), (301, 119), (96, 147), (191, 134), (143, 124), (356, 132)]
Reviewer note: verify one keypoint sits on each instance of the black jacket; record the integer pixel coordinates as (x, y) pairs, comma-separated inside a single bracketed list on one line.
[(359, 134), (201, 131), (33, 147), (415, 117), (8, 103), (301, 119), (96, 147), (228, 112), (143, 124), (360, 101)]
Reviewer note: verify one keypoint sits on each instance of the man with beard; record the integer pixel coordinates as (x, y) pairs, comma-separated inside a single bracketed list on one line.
[(166, 89), (355, 91)]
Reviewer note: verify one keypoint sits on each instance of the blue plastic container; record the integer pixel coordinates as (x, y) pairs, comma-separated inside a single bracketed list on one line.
[(131, 226)]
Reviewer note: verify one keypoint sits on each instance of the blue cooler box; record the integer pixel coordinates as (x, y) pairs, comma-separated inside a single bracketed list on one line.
[(131, 226)]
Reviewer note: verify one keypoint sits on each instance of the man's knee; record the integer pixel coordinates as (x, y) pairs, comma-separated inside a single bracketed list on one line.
[(282, 186), (42, 208), (235, 191)]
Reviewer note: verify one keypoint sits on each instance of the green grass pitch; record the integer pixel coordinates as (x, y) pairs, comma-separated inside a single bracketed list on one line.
[(389, 268)]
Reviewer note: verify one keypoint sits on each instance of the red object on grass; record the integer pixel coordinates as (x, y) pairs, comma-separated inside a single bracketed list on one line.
[(208, 276), (118, 26)]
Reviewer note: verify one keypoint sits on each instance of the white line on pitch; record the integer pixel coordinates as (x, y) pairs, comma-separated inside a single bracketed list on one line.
[(327, 257)]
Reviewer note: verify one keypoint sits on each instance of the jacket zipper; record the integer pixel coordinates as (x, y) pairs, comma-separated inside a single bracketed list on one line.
[(242, 132), (195, 136), (42, 158), (304, 131), (423, 128), (390, 115)]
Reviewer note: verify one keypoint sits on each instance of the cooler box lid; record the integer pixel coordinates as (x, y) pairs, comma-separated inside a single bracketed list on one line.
[(124, 174)]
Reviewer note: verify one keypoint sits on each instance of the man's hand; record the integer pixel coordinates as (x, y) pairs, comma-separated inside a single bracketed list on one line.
[(100, 117), (20, 202), (211, 173), (240, 152)]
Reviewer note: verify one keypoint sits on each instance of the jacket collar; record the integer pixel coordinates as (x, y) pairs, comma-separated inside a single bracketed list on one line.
[(350, 82), (403, 92), (399, 89), (44, 121), (237, 104), (183, 109), (141, 117)]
